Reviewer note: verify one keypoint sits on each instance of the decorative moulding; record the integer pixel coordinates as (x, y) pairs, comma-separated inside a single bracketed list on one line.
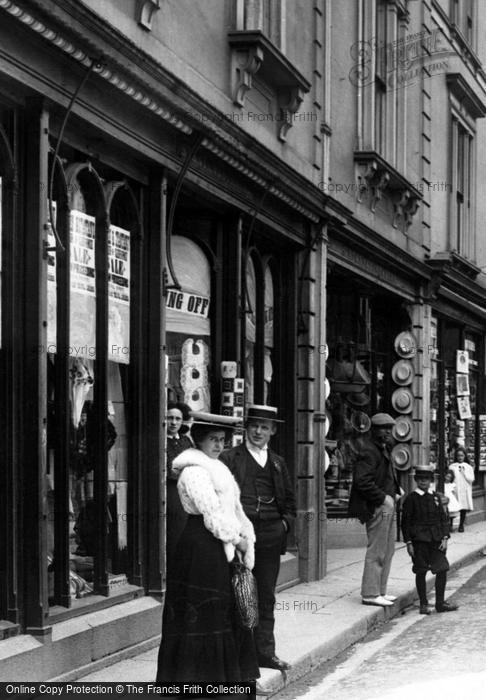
[(377, 178), (146, 10), (252, 52), (463, 92), (450, 261)]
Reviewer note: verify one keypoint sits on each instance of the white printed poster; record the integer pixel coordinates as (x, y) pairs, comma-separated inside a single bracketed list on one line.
[(119, 294), (83, 285)]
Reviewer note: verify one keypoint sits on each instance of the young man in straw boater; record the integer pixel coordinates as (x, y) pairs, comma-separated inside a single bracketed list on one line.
[(268, 500)]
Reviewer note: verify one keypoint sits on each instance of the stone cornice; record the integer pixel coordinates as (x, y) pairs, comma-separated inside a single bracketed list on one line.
[(163, 95), (453, 273)]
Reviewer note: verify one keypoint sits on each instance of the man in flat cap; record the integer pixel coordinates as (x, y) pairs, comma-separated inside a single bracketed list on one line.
[(267, 497), (374, 492)]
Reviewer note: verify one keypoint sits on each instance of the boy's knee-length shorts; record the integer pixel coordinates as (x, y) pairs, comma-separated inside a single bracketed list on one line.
[(427, 555)]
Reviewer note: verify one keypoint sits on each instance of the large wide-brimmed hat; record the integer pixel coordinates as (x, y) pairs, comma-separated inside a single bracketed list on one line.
[(260, 412), (214, 420), (401, 457), (406, 345), (402, 400), (402, 372)]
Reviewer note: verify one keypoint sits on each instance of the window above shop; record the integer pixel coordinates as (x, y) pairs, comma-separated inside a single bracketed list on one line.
[(258, 46)]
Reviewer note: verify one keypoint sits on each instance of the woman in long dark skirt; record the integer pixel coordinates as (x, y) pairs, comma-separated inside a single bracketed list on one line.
[(201, 639)]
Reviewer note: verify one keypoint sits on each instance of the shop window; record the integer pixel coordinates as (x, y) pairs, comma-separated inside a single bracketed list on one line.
[(361, 330), (455, 404), (188, 327), (250, 331), (88, 356), (259, 330), (268, 336), (1, 238)]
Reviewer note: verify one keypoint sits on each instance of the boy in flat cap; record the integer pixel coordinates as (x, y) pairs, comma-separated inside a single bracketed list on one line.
[(425, 528), (374, 492)]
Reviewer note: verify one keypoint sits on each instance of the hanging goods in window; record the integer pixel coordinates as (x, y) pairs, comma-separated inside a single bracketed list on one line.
[(347, 375)]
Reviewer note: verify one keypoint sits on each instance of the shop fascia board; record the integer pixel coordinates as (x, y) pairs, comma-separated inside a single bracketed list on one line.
[(374, 246), (151, 85)]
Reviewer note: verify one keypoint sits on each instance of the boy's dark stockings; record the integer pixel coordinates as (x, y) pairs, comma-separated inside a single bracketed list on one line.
[(440, 585)]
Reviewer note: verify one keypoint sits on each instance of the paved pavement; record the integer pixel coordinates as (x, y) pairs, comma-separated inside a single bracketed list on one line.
[(413, 656), (317, 621)]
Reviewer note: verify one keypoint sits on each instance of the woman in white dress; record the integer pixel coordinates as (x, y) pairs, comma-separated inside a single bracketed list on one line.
[(463, 478)]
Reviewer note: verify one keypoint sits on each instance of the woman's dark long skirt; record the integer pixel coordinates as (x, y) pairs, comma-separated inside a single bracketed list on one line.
[(200, 638)]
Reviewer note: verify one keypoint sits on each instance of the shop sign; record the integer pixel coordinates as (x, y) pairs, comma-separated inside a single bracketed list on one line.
[(188, 303)]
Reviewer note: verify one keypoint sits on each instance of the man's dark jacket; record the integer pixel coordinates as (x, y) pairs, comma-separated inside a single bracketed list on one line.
[(238, 460), (371, 474)]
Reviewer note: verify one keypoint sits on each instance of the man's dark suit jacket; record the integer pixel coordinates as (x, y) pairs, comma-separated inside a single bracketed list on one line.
[(237, 459), (369, 478)]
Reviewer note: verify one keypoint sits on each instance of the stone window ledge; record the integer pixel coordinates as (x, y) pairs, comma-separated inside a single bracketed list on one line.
[(253, 51), (378, 178)]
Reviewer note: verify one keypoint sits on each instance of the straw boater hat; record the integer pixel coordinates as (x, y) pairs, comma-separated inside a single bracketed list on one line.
[(401, 457), (424, 469), (405, 345), (402, 400), (214, 420), (403, 429), (256, 412), (402, 372)]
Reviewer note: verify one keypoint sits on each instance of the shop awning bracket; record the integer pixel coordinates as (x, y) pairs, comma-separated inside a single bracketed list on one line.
[(198, 137)]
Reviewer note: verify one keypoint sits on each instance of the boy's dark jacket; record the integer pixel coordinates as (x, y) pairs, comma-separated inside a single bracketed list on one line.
[(424, 518), (237, 460)]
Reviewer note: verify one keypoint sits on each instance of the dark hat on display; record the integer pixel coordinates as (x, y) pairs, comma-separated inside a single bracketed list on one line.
[(260, 412), (424, 470), (358, 400), (380, 420), (214, 420), (402, 372), (360, 421)]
